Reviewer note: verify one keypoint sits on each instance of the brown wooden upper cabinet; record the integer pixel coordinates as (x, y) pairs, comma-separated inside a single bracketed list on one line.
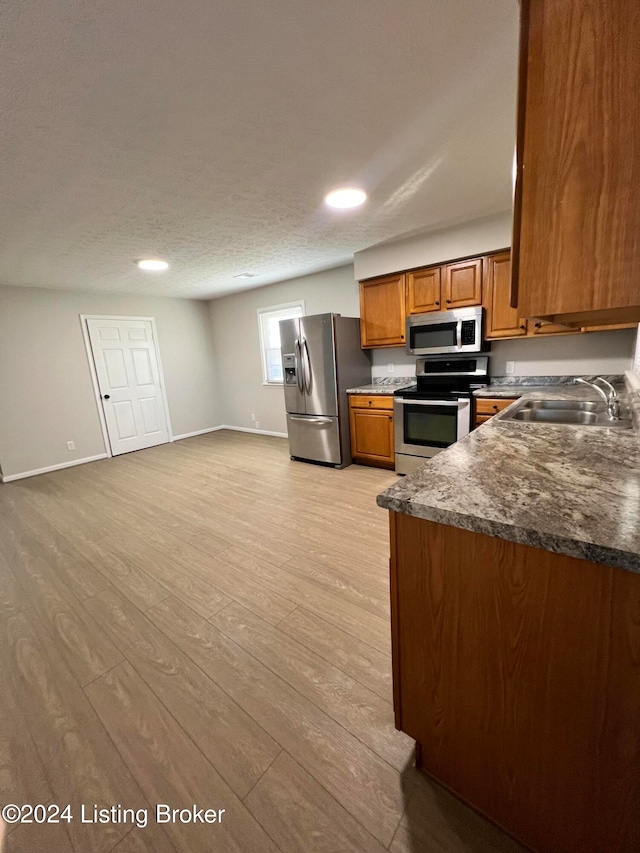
[(577, 206), (423, 290), (462, 284), (502, 321), (382, 311), (445, 287)]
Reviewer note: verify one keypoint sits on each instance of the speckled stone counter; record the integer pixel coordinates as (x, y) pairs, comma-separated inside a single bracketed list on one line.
[(570, 490), (384, 386)]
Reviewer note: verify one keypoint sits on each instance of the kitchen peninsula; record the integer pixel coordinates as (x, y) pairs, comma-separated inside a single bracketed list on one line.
[(515, 585)]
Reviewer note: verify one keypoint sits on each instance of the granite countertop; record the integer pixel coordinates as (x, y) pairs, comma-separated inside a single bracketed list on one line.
[(384, 386), (570, 490)]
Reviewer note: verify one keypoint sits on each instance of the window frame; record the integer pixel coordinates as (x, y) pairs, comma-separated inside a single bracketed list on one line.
[(262, 313)]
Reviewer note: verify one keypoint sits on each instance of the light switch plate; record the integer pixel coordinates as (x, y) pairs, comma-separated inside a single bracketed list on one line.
[(391, 368), (511, 367)]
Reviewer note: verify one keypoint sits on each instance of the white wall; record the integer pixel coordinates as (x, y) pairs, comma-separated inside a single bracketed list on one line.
[(46, 395), (569, 355), (472, 238), (234, 322)]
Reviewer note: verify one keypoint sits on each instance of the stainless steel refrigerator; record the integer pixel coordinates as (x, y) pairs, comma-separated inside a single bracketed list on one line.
[(321, 358)]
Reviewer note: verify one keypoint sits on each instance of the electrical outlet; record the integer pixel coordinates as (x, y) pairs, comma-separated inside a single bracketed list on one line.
[(257, 424), (511, 367), (391, 368), (253, 417), (71, 445)]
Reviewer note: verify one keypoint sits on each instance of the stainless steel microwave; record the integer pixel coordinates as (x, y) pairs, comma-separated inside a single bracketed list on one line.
[(445, 332)]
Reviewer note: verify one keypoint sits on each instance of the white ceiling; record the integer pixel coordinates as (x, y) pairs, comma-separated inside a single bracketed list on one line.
[(207, 132)]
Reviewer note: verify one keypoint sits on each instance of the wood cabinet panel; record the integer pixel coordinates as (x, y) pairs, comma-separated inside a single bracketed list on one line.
[(543, 327), (502, 320), (463, 284), (482, 419), (372, 435), (518, 671), (423, 290), (577, 210), (382, 311), (373, 401), (492, 405)]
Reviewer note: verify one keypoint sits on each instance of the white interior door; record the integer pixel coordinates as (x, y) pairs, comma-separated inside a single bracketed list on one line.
[(126, 361)]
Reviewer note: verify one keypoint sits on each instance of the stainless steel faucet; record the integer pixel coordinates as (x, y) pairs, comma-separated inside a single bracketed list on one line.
[(610, 395)]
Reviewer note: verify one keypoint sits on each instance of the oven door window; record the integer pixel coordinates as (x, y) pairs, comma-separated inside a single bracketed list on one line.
[(430, 426), (430, 336)]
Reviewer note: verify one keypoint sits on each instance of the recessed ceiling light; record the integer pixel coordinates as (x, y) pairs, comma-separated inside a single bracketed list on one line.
[(153, 265), (346, 197), (246, 275)]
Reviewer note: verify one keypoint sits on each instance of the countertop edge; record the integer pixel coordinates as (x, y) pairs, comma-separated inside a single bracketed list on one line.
[(577, 548)]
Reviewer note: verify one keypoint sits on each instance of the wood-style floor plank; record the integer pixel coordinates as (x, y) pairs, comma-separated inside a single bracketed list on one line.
[(170, 768), (359, 710), (302, 817), (83, 645), (238, 747), (80, 762), (360, 660), (349, 617), (365, 784)]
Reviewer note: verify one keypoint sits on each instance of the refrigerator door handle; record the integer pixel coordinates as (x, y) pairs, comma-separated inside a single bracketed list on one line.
[(307, 367), (312, 420), (299, 376)]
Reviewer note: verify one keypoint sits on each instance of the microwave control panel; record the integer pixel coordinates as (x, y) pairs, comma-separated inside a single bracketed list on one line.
[(468, 332)]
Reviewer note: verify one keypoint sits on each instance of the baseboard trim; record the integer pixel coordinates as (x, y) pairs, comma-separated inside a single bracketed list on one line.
[(9, 478), (197, 432), (255, 431)]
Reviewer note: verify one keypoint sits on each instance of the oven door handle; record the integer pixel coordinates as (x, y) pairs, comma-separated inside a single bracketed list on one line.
[(459, 334), (459, 404)]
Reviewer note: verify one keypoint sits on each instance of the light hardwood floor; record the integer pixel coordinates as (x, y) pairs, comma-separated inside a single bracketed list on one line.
[(207, 623)]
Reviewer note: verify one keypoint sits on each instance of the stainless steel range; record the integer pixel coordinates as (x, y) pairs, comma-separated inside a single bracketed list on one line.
[(436, 411)]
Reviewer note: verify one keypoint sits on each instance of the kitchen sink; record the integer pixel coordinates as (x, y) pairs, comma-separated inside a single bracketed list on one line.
[(563, 405), (569, 412)]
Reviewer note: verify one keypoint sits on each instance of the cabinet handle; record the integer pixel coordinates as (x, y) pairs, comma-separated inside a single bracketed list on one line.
[(448, 301), (523, 327), (436, 303), (538, 325), (390, 417)]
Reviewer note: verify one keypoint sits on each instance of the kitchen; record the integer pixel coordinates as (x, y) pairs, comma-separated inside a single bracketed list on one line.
[(373, 584)]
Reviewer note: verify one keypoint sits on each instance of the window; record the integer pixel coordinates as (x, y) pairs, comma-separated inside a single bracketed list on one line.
[(269, 323)]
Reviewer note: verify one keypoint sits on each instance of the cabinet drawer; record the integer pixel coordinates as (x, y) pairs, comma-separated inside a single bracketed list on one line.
[(374, 401), (491, 405), (481, 419)]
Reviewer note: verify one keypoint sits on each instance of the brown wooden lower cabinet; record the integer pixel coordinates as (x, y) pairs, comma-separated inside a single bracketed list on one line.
[(372, 437), (487, 407), (517, 671)]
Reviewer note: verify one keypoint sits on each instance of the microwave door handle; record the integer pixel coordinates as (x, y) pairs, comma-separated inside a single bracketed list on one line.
[(459, 334)]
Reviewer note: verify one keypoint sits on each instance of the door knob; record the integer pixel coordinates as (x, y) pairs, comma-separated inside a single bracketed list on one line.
[(107, 397)]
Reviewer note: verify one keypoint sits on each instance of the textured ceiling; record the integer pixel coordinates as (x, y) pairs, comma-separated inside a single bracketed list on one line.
[(207, 132)]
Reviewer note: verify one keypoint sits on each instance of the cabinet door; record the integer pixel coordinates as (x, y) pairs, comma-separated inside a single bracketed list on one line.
[(542, 327), (372, 437), (382, 311), (463, 284), (577, 206), (502, 319), (423, 290)]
